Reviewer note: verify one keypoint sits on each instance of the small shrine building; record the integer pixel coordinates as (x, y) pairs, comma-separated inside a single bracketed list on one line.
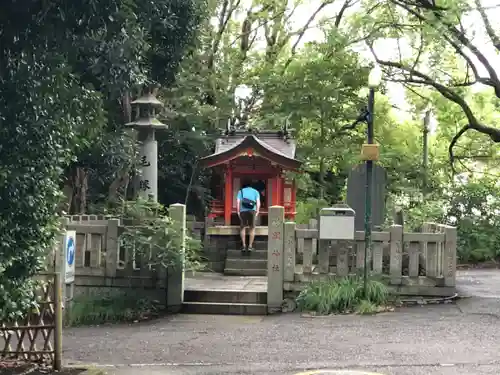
[(262, 157)]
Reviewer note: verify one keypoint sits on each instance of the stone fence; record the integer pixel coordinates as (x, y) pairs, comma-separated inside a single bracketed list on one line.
[(422, 264), (102, 264)]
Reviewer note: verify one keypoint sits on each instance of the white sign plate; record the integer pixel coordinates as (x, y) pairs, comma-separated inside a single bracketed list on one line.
[(69, 256)]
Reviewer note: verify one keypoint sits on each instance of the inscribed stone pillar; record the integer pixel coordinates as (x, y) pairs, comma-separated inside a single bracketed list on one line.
[(396, 257), (146, 124), (148, 162), (289, 250), (275, 259)]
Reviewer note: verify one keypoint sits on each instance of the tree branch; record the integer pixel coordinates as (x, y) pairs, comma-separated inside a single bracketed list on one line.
[(492, 132), (303, 30), (495, 39), (454, 142), (454, 33)]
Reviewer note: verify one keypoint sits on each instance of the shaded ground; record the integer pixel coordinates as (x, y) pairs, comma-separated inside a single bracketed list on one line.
[(31, 370), (429, 340)]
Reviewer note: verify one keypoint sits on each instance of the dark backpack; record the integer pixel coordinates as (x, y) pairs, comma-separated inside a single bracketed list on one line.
[(247, 203)]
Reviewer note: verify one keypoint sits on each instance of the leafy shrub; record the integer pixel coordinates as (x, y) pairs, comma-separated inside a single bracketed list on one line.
[(113, 308), (309, 209), (153, 235), (342, 295), (473, 206), (39, 119)]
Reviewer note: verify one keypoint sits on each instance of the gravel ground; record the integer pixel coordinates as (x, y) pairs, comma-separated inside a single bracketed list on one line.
[(443, 339)]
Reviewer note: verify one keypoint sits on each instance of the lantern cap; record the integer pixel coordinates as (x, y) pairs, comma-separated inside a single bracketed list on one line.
[(147, 122), (148, 99)]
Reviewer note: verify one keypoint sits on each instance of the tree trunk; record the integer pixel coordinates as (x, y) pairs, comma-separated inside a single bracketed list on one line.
[(80, 187), (322, 166), (121, 181)]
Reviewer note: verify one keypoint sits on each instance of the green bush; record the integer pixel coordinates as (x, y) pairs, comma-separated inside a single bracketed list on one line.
[(343, 295), (473, 207), (39, 119), (309, 209), (151, 234), (113, 308)]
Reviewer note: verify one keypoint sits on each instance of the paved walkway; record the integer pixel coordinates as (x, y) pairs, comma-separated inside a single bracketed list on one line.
[(430, 340)]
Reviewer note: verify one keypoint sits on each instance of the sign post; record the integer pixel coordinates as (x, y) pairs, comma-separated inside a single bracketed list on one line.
[(68, 255), (69, 258)]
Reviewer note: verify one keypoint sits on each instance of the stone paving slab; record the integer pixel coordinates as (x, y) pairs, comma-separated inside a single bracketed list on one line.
[(479, 283), (482, 291), (216, 281)]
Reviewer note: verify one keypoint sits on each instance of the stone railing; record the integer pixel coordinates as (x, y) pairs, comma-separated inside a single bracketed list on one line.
[(101, 261), (412, 263)]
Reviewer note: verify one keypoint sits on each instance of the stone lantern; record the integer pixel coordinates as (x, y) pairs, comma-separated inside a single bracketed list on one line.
[(146, 125)]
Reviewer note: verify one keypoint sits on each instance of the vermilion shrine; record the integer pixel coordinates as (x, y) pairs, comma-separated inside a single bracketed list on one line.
[(264, 158)]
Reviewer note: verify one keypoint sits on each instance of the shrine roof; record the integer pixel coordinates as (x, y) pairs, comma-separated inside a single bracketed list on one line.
[(271, 145)]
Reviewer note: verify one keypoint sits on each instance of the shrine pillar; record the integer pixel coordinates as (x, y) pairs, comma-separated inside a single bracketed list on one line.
[(228, 195), (275, 191)]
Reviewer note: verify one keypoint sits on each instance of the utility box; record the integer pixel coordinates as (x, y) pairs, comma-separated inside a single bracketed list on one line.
[(336, 223)]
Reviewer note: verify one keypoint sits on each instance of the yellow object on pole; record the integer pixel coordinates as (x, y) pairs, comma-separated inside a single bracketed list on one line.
[(370, 152)]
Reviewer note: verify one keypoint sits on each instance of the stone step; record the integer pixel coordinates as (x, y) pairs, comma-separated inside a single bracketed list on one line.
[(257, 244), (225, 296), (224, 308), (245, 272), (246, 263), (255, 254)]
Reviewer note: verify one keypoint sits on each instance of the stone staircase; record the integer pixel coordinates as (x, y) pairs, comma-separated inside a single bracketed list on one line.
[(210, 293), (248, 264)]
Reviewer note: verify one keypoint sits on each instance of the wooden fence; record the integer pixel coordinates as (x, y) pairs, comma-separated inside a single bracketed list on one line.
[(37, 336), (412, 263)]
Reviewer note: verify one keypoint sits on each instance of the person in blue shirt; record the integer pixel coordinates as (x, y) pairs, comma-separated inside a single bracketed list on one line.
[(248, 206)]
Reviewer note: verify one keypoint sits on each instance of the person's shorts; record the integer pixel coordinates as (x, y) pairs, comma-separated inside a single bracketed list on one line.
[(247, 219)]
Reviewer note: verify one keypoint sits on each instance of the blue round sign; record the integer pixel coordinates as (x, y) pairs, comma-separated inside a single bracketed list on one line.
[(70, 251)]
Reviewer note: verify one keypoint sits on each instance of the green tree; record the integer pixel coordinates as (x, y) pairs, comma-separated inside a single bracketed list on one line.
[(318, 94), (435, 35), (65, 73)]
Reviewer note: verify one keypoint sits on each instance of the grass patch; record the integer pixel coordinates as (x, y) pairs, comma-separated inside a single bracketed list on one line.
[(113, 308), (343, 295)]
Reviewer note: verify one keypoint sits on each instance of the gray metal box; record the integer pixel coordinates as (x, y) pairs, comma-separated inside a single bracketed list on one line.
[(336, 223)]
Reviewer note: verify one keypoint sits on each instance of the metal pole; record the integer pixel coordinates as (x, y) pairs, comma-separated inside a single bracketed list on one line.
[(58, 321), (425, 161), (368, 191)]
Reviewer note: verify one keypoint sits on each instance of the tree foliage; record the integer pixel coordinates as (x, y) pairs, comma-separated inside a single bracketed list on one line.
[(444, 54), (68, 74), (64, 75)]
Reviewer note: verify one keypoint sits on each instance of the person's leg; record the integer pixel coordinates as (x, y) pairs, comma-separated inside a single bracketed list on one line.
[(242, 230), (251, 230)]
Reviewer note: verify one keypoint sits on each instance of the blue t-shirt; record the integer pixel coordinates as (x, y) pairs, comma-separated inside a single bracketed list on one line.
[(248, 193)]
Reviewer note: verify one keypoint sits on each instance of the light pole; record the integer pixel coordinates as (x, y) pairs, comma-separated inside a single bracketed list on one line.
[(370, 154)]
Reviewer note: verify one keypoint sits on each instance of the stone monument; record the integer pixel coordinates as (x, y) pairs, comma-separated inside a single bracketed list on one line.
[(356, 195), (146, 125)]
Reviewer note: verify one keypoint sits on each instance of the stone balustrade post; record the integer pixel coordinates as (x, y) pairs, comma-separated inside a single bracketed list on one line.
[(450, 256), (275, 264), (175, 275)]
